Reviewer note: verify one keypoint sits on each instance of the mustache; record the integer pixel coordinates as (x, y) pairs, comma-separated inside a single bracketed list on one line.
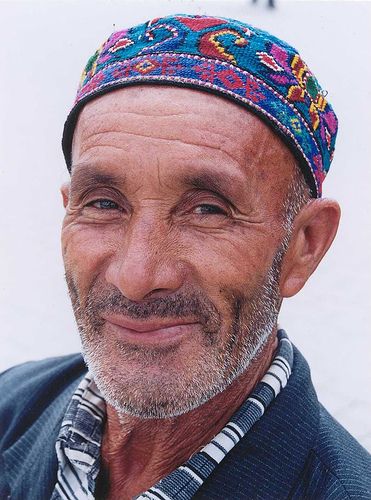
[(177, 305)]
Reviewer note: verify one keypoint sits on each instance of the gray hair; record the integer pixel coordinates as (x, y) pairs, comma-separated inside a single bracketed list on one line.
[(297, 196)]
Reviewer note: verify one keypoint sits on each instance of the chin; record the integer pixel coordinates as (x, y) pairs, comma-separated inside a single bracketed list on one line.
[(155, 384)]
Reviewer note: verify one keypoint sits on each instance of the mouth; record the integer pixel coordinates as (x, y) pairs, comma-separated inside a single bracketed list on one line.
[(147, 332)]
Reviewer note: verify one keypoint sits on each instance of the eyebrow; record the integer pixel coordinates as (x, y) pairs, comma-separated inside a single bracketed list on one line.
[(86, 177), (222, 184)]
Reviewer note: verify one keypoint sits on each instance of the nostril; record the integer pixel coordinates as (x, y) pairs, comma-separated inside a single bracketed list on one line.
[(158, 292)]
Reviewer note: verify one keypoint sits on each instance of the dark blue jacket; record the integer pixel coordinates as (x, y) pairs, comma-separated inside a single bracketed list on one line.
[(296, 450)]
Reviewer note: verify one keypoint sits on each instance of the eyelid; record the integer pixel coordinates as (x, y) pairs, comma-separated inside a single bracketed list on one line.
[(96, 200), (198, 197), (218, 206), (208, 197), (97, 193)]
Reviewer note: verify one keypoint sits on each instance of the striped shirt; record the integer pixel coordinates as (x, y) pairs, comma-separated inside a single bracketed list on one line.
[(79, 440)]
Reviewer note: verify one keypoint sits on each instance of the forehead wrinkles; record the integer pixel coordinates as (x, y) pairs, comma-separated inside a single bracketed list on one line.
[(138, 147), (201, 118), (188, 129), (169, 122)]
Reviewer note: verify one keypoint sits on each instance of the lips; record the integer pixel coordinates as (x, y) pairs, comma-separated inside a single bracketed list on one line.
[(144, 331)]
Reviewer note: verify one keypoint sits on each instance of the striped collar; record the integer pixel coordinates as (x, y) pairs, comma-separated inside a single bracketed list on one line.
[(79, 440)]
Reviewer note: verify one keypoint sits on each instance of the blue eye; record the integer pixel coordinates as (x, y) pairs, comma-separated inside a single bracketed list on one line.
[(209, 209), (104, 204)]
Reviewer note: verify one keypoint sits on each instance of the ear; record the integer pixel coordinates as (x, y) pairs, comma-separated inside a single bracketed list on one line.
[(314, 230), (65, 192)]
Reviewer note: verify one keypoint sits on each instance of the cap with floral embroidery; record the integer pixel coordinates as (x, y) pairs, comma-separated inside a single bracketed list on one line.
[(226, 57)]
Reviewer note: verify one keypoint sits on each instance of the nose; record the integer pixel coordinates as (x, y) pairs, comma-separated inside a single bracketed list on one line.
[(146, 263)]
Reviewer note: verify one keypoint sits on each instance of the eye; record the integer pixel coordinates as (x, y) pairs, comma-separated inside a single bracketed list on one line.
[(210, 209), (104, 204)]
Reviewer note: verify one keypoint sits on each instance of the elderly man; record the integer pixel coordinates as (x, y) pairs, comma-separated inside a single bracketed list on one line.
[(197, 148)]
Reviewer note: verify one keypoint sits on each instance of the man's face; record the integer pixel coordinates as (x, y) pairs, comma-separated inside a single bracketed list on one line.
[(172, 243)]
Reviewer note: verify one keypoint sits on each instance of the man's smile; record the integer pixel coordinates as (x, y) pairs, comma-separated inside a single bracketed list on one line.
[(150, 331)]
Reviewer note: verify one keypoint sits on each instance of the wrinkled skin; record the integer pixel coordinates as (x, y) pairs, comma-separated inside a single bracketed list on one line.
[(175, 212)]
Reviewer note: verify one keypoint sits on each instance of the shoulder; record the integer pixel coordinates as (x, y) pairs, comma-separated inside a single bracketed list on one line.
[(32, 379), (28, 389), (337, 466)]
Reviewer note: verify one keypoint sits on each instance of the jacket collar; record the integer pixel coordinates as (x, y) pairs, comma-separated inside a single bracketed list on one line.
[(268, 462)]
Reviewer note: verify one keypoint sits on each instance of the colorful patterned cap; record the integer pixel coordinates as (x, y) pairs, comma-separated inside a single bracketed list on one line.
[(226, 57)]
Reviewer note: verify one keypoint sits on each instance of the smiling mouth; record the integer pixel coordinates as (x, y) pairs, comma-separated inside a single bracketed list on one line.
[(158, 331)]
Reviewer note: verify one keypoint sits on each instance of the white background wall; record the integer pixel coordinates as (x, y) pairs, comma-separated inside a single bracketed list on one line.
[(43, 48)]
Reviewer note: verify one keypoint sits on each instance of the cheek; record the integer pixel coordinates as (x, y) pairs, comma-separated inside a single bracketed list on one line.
[(85, 251), (228, 262)]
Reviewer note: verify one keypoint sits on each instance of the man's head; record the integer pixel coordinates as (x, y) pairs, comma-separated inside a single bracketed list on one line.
[(180, 242)]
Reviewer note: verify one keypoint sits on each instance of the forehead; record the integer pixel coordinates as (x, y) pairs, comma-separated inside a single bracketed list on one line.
[(179, 128)]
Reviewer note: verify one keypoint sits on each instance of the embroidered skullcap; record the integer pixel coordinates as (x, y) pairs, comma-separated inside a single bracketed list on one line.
[(228, 58)]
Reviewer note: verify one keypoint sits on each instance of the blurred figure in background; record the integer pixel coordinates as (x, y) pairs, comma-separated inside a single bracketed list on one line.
[(271, 3)]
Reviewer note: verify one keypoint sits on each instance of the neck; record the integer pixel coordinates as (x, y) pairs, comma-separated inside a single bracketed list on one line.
[(137, 453)]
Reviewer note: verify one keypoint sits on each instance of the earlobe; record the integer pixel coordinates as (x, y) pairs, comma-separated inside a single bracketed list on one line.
[(314, 230), (65, 192)]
